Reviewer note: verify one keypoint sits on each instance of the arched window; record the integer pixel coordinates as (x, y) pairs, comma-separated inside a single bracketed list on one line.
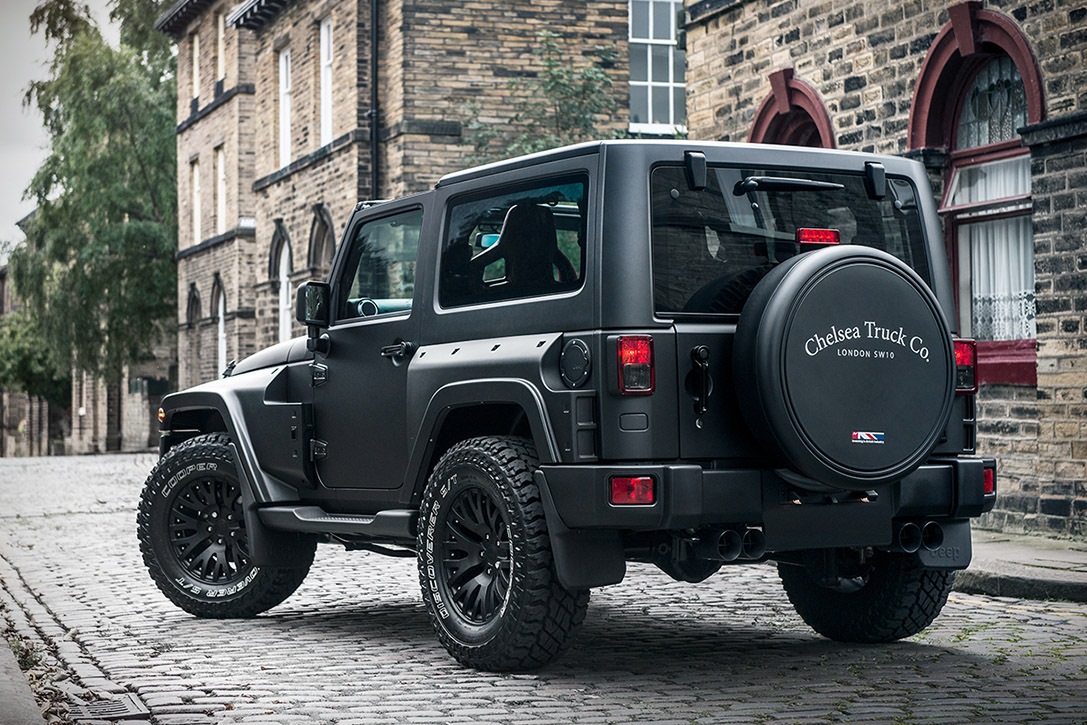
[(219, 295), (322, 241), (792, 114), (280, 268), (980, 84), (285, 292), (192, 310), (988, 204)]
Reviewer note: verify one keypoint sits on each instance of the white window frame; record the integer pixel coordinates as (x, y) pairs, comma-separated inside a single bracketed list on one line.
[(220, 46), (194, 186), (326, 80), (194, 47), (670, 85), (285, 307), (1012, 202), (284, 107), (220, 190)]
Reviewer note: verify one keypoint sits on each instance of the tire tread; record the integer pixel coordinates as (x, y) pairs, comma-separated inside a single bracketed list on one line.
[(270, 587)]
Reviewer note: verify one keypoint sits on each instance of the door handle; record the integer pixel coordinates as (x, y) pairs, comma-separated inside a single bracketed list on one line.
[(399, 350)]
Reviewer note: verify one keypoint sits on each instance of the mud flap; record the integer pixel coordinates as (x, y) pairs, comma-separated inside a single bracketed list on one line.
[(266, 546), (583, 559)]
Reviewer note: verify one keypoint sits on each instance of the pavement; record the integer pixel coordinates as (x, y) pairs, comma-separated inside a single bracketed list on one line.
[(17, 706), (1020, 567), (1025, 567)]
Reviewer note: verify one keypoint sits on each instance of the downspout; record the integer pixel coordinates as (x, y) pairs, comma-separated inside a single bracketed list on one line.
[(375, 175)]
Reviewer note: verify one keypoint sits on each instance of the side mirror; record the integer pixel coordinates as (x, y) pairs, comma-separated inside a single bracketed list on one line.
[(312, 304), (312, 309)]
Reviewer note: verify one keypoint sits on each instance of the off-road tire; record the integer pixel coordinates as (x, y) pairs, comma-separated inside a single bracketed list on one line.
[(898, 599), (220, 582), (485, 565)]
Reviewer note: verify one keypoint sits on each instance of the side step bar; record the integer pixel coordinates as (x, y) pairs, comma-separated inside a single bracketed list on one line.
[(392, 524)]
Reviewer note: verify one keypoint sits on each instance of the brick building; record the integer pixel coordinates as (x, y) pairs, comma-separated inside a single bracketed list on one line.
[(991, 98), (282, 130)]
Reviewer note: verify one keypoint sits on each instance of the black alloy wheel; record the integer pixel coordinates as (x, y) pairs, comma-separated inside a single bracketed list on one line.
[(476, 556), (207, 530)]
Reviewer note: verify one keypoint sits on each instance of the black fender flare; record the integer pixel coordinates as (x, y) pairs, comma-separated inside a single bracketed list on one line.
[(266, 547), (514, 391)]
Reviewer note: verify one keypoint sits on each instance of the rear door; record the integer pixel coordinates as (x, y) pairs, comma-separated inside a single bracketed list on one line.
[(712, 247)]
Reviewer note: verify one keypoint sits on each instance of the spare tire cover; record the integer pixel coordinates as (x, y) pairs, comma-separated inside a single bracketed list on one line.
[(844, 367)]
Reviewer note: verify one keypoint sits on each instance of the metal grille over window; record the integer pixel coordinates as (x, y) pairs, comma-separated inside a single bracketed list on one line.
[(657, 68)]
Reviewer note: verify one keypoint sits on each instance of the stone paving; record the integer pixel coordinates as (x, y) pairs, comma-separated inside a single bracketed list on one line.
[(353, 645)]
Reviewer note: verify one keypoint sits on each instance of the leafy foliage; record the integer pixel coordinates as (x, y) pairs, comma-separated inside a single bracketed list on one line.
[(97, 270), (25, 364), (562, 104)]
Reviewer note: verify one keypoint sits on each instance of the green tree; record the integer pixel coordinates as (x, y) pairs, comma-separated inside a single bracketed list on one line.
[(25, 364), (562, 104), (97, 271)]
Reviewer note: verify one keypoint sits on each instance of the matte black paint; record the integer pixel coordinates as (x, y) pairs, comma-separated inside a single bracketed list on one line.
[(497, 369)]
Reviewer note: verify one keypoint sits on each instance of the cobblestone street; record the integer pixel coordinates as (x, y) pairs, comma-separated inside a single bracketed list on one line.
[(353, 645)]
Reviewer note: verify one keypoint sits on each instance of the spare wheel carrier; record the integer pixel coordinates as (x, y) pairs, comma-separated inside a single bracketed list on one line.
[(844, 367)]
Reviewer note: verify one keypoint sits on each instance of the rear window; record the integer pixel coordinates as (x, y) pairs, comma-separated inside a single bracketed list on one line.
[(711, 247)]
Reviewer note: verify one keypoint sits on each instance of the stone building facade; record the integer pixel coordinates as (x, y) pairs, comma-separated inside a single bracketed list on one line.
[(992, 97), (281, 131)]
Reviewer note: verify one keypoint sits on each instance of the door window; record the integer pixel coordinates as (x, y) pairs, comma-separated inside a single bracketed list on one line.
[(379, 277)]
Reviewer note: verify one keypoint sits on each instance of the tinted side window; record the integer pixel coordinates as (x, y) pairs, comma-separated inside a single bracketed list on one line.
[(379, 276), (519, 242), (711, 247)]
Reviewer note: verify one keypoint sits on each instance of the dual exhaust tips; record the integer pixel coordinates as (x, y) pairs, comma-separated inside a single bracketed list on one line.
[(732, 544), (910, 537)]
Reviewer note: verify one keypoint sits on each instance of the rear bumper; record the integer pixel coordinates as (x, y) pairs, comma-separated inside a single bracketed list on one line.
[(692, 497)]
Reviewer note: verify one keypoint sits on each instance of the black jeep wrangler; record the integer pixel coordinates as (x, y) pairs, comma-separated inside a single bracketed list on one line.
[(690, 354)]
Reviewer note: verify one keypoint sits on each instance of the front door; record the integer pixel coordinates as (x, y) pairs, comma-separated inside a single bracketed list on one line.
[(360, 424)]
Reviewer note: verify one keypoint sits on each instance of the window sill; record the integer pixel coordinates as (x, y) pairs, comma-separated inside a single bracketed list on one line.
[(658, 129), (1008, 362)]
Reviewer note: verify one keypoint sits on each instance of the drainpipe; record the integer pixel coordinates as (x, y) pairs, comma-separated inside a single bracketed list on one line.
[(375, 175)]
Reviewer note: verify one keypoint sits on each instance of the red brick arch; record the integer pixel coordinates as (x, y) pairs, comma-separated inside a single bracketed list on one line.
[(792, 114), (971, 37)]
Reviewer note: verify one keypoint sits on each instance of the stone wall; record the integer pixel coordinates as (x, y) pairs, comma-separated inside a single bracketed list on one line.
[(441, 56), (221, 256), (863, 61), (320, 182)]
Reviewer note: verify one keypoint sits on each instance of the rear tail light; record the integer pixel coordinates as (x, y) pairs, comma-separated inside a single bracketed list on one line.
[(989, 482), (633, 491), (636, 374), (966, 362), (821, 237)]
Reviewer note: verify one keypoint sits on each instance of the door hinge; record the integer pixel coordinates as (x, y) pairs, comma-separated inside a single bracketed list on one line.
[(320, 374), (318, 450)]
